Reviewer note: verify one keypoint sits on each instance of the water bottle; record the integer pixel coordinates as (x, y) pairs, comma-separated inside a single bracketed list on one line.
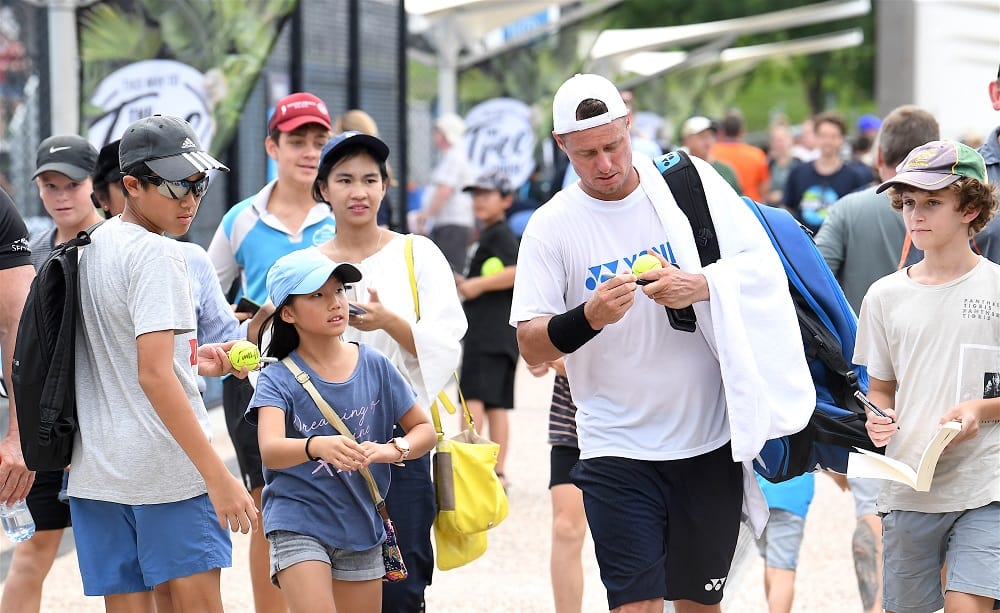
[(17, 521)]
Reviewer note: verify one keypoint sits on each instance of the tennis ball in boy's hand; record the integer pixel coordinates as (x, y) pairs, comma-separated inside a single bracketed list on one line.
[(491, 266), (244, 353), (645, 262)]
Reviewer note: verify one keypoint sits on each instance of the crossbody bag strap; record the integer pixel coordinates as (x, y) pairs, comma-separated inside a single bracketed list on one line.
[(442, 397), (408, 253), (331, 416), (450, 407)]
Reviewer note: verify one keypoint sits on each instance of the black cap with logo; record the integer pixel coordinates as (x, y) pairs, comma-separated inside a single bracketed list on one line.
[(70, 155), (168, 145)]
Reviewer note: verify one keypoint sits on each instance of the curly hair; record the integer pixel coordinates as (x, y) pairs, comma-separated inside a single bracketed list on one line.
[(972, 195)]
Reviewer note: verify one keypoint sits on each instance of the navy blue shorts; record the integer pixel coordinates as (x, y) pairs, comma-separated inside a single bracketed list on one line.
[(663, 529)]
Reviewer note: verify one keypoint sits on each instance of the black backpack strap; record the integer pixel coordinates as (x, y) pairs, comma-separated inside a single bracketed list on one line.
[(685, 184)]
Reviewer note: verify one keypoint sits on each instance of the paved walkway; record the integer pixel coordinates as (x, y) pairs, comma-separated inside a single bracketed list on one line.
[(513, 575)]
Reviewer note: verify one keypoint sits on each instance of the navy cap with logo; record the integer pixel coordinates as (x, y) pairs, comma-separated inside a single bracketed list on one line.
[(340, 143), (70, 155), (168, 145)]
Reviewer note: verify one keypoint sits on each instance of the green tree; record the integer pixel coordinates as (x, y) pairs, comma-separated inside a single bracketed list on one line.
[(795, 86)]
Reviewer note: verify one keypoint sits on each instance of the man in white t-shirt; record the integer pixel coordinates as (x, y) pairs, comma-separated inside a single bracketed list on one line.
[(662, 413), (446, 213)]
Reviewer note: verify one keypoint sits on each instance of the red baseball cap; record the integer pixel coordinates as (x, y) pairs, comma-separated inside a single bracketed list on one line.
[(296, 110)]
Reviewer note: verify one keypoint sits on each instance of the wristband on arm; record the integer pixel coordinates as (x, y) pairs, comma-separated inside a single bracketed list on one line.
[(570, 330), (309, 455)]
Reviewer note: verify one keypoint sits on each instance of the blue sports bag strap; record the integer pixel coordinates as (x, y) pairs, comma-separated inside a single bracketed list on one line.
[(685, 184)]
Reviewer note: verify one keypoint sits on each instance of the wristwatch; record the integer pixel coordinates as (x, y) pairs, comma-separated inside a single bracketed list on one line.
[(403, 447)]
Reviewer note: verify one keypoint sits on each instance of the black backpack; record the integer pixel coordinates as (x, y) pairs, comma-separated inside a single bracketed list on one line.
[(45, 359), (826, 322)]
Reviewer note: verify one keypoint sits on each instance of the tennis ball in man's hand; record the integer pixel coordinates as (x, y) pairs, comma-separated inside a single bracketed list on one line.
[(645, 262), (491, 266), (244, 353)]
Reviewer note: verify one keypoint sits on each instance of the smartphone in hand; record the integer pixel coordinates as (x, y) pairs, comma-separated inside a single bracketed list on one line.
[(354, 310), (245, 305)]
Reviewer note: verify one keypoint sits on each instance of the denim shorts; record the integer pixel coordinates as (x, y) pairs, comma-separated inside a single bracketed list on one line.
[(290, 548), (779, 543), (918, 544), (132, 548)]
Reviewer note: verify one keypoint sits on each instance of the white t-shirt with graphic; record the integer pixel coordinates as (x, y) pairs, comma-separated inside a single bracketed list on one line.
[(643, 390), (941, 343)]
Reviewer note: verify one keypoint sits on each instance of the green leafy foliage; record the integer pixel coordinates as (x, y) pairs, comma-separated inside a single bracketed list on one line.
[(227, 40), (795, 87)]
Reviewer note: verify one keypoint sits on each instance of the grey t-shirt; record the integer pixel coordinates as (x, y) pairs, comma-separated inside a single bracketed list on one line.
[(132, 282)]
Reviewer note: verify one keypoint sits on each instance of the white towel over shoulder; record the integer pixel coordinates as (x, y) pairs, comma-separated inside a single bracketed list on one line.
[(749, 321)]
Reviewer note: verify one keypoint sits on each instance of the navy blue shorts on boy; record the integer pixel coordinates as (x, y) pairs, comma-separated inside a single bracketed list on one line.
[(132, 548), (664, 529)]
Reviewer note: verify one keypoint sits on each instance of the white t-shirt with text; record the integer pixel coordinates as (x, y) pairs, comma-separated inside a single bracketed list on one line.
[(643, 390), (941, 343)]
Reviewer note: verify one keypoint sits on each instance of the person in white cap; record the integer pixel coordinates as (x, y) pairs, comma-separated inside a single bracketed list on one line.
[(446, 213), (698, 135), (151, 500), (668, 420)]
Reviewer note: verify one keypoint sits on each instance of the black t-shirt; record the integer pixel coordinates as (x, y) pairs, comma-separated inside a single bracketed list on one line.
[(488, 315), (14, 250)]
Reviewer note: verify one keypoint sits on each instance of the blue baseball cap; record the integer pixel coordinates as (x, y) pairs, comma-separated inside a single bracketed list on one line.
[(305, 271), (869, 123)]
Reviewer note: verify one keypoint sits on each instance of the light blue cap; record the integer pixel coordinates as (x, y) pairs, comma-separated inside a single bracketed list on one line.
[(304, 272)]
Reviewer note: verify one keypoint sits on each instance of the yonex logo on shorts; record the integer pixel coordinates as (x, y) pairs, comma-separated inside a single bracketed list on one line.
[(715, 584)]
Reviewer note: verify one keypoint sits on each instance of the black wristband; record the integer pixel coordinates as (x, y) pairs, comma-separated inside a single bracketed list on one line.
[(570, 330), (309, 455)]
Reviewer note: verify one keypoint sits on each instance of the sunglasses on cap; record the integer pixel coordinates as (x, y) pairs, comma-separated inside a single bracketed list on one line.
[(178, 189)]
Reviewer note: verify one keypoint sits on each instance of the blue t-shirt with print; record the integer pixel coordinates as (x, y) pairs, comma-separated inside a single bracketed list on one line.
[(313, 498)]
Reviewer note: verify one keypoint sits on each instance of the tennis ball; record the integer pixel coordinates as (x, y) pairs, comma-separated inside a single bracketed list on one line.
[(491, 266), (645, 262), (244, 353)]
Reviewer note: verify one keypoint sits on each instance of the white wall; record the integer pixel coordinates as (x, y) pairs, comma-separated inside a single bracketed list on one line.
[(955, 54)]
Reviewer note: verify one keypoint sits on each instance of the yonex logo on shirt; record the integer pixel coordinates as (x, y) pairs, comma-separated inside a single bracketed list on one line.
[(622, 265)]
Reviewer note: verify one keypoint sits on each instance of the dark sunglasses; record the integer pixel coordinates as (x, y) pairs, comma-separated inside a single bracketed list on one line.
[(178, 189)]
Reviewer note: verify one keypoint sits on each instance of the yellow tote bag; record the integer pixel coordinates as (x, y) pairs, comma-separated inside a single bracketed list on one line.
[(470, 497), (454, 549)]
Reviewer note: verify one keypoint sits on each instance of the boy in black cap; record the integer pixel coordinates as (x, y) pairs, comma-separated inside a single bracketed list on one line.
[(490, 344), (150, 497), (64, 166)]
